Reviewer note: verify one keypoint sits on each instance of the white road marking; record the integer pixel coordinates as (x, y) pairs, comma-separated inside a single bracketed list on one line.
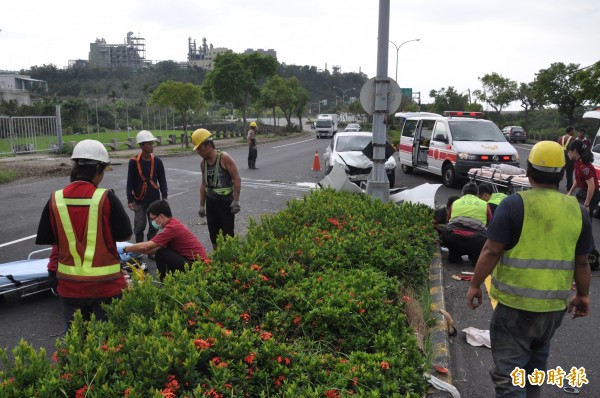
[(17, 241), (293, 143)]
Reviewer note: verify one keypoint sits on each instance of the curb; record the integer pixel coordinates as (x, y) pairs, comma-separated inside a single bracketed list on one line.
[(438, 334)]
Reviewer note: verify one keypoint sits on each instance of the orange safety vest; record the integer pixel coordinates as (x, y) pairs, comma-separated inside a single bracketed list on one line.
[(88, 259), (143, 177)]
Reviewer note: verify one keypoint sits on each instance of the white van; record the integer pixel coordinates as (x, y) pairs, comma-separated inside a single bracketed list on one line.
[(452, 144), (596, 140)]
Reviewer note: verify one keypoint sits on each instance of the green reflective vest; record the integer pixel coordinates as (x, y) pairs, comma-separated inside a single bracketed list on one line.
[(87, 260), (537, 274), (470, 206), (496, 198)]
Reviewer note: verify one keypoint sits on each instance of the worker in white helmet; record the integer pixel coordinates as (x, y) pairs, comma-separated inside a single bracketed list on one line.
[(146, 183), (84, 222)]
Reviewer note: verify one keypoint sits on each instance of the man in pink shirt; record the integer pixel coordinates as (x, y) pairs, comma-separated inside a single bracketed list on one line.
[(173, 246)]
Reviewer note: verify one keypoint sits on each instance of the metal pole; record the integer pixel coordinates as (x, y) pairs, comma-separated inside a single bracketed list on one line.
[(377, 184), (398, 50)]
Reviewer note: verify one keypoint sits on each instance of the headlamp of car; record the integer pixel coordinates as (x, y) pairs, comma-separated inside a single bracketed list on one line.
[(467, 156)]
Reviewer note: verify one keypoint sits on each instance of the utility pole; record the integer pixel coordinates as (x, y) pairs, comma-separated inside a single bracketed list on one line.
[(378, 184)]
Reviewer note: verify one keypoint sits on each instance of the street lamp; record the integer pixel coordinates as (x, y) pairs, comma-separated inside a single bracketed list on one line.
[(344, 92), (397, 50)]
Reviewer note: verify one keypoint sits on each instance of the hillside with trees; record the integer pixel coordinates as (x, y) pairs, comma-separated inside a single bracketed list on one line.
[(255, 86)]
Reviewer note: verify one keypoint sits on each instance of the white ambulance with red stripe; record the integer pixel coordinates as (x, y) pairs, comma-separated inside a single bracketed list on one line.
[(451, 145), (595, 114)]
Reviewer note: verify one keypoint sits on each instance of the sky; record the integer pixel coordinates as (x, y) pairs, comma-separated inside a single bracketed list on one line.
[(460, 40)]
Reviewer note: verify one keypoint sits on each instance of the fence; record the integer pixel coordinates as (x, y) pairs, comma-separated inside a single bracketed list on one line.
[(28, 134)]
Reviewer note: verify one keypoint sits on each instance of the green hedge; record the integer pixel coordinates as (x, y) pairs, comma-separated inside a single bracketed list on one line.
[(307, 305)]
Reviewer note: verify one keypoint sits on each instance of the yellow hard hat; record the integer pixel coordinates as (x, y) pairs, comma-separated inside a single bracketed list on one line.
[(199, 136), (547, 156), (252, 124)]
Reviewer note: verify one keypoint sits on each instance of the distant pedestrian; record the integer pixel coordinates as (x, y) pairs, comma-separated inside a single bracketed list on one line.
[(537, 246), (84, 223), (581, 137), (564, 142), (146, 183), (586, 187), (252, 147), (220, 186), (174, 245)]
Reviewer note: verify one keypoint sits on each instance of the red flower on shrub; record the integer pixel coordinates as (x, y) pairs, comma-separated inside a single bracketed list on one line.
[(255, 267), (299, 252), (296, 320), (332, 394), (82, 392), (126, 393), (264, 336), (246, 317), (202, 344), (189, 305), (66, 376), (385, 365), (279, 380), (250, 357), (216, 361), (264, 278), (284, 360)]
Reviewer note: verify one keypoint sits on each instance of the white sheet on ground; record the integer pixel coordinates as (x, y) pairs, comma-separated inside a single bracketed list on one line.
[(424, 194)]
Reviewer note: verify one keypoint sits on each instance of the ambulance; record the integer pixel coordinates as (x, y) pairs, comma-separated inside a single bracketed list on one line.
[(452, 144), (595, 114)]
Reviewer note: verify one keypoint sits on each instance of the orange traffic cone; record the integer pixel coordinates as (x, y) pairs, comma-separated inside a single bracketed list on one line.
[(316, 162)]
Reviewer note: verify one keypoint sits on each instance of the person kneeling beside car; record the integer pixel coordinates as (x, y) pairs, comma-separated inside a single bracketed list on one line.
[(173, 246)]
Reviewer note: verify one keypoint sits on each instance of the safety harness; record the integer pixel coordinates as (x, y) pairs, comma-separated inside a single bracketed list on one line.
[(143, 177), (214, 187)]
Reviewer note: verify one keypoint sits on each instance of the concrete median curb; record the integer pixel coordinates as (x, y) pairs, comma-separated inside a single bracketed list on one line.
[(438, 334)]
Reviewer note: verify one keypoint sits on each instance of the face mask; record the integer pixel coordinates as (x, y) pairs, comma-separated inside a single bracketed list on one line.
[(155, 225)]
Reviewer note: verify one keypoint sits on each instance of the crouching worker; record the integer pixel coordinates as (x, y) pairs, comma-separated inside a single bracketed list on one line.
[(173, 246), (465, 231)]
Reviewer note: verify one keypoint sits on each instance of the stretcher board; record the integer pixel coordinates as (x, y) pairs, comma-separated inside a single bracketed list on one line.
[(30, 276), (505, 183)]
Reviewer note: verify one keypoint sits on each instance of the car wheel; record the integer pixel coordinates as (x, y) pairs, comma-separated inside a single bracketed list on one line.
[(407, 169), (449, 175), (392, 178)]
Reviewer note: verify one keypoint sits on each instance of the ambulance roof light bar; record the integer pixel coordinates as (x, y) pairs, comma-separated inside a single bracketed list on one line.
[(464, 114)]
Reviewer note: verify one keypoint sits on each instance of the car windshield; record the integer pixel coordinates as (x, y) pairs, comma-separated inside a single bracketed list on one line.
[(323, 123), (475, 131), (353, 126), (352, 143)]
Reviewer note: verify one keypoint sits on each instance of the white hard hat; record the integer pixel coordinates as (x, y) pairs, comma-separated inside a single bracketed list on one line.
[(90, 150), (144, 136)]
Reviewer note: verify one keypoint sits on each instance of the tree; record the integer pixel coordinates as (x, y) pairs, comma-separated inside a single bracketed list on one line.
[(182, 97), (558, 85), (498, 92), (448, 100), (302, 99), (526, 94), (235, 78), (270, 92), (589, 81)]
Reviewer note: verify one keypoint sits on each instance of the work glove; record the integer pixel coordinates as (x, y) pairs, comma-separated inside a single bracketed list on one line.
[(121, 250), (52, 281), (202, 212), (235, 207)]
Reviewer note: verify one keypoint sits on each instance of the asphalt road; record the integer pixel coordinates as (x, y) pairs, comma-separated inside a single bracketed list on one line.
[(284, 173)]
